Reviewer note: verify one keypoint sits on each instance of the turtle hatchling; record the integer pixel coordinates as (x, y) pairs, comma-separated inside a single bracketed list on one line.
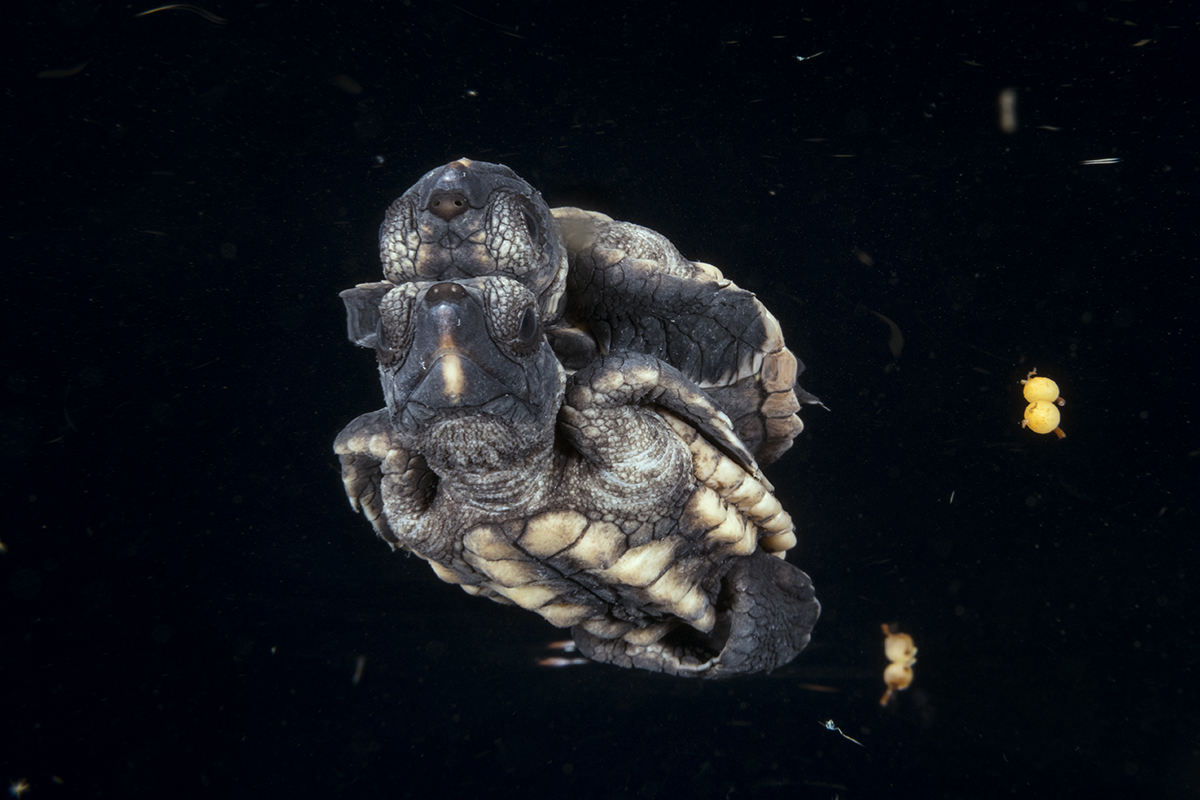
[(614, 498), (601, 288)]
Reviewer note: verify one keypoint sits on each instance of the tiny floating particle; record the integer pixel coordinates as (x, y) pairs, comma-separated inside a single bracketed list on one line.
[(208, 15), (359, 664), (1006, 105), (62, 73)]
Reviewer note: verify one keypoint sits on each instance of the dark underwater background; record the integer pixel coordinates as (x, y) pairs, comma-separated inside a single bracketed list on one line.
[(186, 593)]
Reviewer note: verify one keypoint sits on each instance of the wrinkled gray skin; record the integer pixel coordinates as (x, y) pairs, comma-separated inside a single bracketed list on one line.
[(602, 288), (617, 500)]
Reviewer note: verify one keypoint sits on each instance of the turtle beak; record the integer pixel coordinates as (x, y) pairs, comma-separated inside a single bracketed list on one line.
[(455, 369), (457, 190), (447, 334)]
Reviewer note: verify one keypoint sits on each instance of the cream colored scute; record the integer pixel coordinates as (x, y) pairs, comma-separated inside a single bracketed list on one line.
[(564, 615), (748, 542), (599, 547), (779, 372), (705, 459), (695, 609), (489, 542), (780, 404), (706, 621), (606, 627), (766, 508), (779, 542), (732, 530), (773, 334), (532, 596), (779, 523), (446, 574), (648, 635), (670, 588), (552, 531), (749, 493), (727, 476), (705, 510), (641, 566), (508, 574), (780, 427)]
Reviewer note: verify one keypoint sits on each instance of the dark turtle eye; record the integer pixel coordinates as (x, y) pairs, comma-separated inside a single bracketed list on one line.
[(529, 327), (381, 344), (530, 224)]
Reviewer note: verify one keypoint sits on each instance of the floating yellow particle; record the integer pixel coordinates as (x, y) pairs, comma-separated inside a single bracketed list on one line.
[(1041, 416), (900, 651)]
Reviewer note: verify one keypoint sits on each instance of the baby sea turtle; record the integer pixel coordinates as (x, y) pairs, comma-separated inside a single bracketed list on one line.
[(615, 500), (602, 287)]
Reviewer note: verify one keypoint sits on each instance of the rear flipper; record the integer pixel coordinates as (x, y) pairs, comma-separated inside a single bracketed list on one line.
[(766, 612)]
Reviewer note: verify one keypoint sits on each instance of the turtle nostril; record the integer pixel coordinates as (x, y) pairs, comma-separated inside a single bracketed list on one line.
[(444, 292), (448, 205)]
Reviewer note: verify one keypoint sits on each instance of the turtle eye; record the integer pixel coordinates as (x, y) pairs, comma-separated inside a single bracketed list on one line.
[(381, 339), (529, 327), (531, 226)]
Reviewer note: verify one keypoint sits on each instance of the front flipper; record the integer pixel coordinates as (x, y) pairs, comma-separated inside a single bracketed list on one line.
[(766, 610), (391, 486), (619, 384), (634, 291)]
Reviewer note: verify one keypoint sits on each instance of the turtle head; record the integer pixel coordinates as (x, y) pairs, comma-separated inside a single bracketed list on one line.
[(471, 218), (469, 378)]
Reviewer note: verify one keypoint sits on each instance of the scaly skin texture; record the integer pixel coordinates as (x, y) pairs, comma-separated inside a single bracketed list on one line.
[(617, 501), (602, 288)]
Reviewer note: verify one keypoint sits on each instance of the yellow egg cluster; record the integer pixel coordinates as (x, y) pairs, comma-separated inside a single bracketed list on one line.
[(1041, 416)]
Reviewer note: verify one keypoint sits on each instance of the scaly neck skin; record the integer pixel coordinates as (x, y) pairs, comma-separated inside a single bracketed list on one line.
[(521, 483), (496, 490)]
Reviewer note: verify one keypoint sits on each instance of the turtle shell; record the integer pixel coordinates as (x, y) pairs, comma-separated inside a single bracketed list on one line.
[(615, 500), (602, 287)]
